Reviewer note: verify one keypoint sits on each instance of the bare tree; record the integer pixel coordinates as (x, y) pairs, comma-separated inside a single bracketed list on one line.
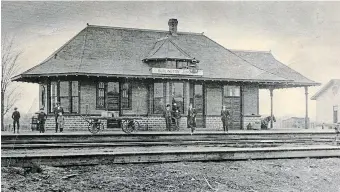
[(9, 67)]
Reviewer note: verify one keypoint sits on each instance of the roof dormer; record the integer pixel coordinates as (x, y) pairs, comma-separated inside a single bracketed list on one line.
[(167, 54)]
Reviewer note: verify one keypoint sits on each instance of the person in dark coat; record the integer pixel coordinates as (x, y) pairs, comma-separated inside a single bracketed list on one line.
[(58, 109), (192, 118), (41, 120), (167, 115), (176, 115), (16, 119), (225, 115)]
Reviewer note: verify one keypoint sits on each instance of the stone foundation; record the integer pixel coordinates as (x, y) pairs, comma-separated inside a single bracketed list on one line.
[(214, 123), (152, 123), (71, 123), (253, 120)]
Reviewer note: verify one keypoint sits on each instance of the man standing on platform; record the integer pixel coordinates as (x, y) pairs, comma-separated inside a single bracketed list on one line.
[(58, 109), (167, 116), (176, 115), (192, 118), (225, 115), (41, 120), (16, 119)]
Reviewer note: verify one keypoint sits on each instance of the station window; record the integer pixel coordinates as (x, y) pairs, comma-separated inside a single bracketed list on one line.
[(126, 96), (158, 98), (177, 91), (231, 91), (181, 65), (67, 93), (101, 95)]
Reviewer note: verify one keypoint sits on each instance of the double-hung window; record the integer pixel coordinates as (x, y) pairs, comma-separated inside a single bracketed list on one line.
[(177, 91), (231, 91), (158, 98), (65, 92)]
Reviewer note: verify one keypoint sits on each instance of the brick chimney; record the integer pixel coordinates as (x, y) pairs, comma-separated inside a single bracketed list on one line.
[(173, 26)]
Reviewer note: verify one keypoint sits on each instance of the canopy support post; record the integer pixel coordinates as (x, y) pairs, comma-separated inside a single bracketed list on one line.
[(271, 107), (306, 117)]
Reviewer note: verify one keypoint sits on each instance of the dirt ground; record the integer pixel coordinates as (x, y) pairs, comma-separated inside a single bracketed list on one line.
[(241, 176)]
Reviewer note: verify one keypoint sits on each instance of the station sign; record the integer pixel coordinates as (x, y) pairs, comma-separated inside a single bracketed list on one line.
[(166, 71)]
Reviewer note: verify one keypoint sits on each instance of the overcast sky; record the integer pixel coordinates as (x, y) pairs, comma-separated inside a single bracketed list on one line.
[(303, 35)]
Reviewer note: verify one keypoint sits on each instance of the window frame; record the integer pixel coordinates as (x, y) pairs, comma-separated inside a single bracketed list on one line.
[(232, 89), (163, 97), (182, 64), (104, 88), (70, 97), (129, 96), (183, 94)]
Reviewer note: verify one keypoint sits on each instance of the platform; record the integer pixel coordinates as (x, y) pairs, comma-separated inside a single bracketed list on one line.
[(161, 155)]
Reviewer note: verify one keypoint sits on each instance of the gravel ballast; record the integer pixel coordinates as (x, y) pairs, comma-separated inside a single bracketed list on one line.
[(238, 176)]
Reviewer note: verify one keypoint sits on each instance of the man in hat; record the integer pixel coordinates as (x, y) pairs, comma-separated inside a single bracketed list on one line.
[(58, 109), (225, 115), (168, 116), (41, 120), (191, 118), (176, 115), (16, 118)]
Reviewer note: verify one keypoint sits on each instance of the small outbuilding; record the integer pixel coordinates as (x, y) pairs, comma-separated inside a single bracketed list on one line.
[(328, 102)]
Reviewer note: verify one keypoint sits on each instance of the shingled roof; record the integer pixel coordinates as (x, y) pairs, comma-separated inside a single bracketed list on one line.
[(119, 52), (266, 61), (165, 49)]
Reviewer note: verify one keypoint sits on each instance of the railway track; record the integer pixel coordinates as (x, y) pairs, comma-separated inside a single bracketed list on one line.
[(84, 149)]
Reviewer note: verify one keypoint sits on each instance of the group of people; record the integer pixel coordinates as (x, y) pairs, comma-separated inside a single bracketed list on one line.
[(58, 112), (41, 118), (173, 115)]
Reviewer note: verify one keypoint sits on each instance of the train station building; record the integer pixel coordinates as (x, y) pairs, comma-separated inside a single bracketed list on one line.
[(136, 72)]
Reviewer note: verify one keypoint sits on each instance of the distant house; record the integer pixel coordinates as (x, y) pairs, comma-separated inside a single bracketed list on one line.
[(136, 72), (328, 102), (294, 122)]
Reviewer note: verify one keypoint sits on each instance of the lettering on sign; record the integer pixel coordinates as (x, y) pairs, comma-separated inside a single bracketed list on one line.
[(166, 71)]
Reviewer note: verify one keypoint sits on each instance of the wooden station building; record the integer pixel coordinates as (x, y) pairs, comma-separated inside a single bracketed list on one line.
[(136, 72)]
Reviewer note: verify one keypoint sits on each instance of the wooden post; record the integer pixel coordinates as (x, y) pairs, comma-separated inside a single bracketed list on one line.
[(271, 107), (306, 118)]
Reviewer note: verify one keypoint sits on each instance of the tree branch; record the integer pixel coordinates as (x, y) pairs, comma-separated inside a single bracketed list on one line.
[(9, 66)]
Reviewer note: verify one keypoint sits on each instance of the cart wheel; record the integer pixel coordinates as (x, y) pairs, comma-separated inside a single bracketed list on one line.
[(94, 127), (126, 127)]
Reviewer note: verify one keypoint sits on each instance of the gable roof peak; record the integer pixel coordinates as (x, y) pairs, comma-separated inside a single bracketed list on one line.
[(325, 87), (166, 49)]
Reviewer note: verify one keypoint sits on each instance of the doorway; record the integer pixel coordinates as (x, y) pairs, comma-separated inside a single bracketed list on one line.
[(232, 101), (197, 99), (113, 102)]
